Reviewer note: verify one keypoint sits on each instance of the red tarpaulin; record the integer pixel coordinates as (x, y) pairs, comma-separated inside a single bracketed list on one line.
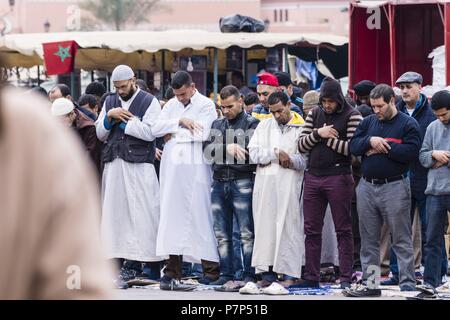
[(408, 33)]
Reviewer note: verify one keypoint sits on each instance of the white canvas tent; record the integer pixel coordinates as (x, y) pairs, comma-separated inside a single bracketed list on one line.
[(104, 50)]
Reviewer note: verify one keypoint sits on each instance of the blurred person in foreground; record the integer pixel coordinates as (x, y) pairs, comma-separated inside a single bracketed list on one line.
[(50, 239)]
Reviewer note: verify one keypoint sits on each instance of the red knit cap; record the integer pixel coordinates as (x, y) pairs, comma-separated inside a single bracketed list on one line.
[(268, 79)]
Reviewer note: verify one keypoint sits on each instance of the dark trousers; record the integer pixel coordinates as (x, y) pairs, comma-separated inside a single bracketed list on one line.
[(419, 200), (437, 208), (175, 263), (318, 193), (356, 238)]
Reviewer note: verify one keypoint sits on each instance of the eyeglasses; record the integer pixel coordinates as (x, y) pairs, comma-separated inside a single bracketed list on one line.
[(265, 94)]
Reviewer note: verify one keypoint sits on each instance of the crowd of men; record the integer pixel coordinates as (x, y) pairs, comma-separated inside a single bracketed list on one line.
[(242, 191)]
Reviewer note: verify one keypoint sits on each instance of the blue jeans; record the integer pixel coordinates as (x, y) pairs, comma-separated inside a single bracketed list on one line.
[(228, 199), (419, 200), (238, 265), (191, 269), (437, 207)]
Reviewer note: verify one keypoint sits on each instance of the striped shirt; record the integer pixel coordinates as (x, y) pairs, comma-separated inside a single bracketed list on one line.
[(333, 152)]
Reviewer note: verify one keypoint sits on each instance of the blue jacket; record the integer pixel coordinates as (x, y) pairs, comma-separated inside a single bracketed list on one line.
[(424, 116)]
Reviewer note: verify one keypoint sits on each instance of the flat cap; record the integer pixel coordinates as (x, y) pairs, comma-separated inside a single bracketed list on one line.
[(410, 77)]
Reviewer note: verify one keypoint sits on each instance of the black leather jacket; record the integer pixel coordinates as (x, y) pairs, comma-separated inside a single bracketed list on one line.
[(224, 132)]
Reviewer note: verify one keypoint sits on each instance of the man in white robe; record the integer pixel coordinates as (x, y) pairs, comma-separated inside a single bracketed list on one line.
[(186, 225), (130, 190), (277, 213)]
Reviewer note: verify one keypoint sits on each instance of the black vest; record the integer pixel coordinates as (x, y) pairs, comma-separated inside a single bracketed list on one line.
[(125, 147)]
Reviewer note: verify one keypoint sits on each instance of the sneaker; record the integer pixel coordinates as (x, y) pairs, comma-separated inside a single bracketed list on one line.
[(361, 291), (220, 282), (206, 280), (393, 281), (275, 289), (302, 283), (250, 288), (170, 284)]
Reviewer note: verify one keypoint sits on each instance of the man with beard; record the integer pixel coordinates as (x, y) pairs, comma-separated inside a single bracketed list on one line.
[(388, 142), (325, 138), (130, 190)]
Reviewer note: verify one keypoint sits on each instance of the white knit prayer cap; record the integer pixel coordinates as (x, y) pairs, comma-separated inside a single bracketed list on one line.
[(62, 107), (122, 73)]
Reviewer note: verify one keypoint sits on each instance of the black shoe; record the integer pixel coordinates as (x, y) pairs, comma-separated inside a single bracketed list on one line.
[(170, 284), (220, 282), (345, 285), (361, 292), (390, 282), (206, 280), (302, 283), (250, 279)]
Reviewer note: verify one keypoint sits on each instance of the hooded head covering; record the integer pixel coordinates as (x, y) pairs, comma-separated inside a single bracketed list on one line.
[(122, 73), (331, 89)]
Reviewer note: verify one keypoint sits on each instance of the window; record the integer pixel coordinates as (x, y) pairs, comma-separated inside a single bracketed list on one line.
[(275, 16), (286, 17), (281, 15)]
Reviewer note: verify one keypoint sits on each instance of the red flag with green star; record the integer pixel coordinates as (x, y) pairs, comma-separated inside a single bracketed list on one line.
[(60, 56)]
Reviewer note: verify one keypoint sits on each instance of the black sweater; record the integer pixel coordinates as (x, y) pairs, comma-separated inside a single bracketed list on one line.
[(403, 135)]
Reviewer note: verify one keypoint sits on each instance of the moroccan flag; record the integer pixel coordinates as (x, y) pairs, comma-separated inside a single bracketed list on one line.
[(60, 56)]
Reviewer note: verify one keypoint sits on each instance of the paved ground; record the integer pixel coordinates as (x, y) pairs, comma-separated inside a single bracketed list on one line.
[(156, 294)]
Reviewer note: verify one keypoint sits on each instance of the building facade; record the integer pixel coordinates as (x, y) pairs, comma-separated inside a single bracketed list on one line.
[(29, 16)]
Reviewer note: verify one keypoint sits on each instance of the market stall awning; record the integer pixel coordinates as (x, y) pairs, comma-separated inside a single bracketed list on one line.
[(101, 50)]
